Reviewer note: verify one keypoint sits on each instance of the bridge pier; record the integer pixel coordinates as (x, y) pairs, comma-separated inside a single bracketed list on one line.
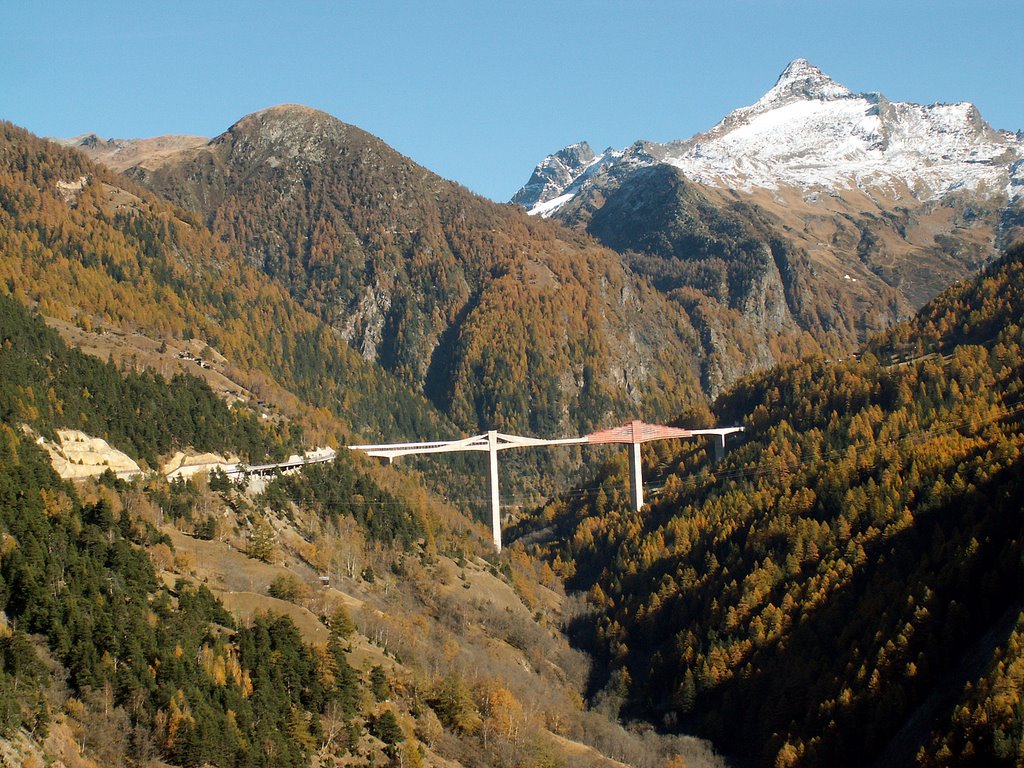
[(636, 433), (492, 442), (636, 477), (492, 454), (719, 446)]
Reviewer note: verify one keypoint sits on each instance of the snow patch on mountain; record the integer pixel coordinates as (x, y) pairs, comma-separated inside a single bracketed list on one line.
[(814, 134), (550, 206)]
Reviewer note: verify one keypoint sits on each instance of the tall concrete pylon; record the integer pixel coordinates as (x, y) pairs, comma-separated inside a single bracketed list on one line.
[(492, 442), (637, 432), (492, 463)]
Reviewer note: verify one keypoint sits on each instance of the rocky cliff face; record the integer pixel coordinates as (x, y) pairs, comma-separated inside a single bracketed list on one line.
[(554, 174)]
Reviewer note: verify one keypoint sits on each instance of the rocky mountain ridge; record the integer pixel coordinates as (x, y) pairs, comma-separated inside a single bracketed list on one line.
[(119, 154), (814, 134)]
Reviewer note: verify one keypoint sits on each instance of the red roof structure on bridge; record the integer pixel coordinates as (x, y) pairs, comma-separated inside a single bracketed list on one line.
[(636, 432)]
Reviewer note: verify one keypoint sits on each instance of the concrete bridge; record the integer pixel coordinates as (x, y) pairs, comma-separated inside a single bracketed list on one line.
[(634, 434), (294, 462)]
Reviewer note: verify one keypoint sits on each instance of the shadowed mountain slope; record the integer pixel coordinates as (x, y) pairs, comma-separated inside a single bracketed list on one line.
[(844, 588)]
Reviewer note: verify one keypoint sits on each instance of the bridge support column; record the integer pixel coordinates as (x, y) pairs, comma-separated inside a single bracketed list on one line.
[(719, 441), (636, 477), (492, 454)]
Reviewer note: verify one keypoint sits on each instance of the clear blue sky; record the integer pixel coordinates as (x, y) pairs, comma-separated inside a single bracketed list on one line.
[(480, 91)]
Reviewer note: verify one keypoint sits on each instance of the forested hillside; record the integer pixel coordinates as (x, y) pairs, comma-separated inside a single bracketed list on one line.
[(843, 588), (90, 635), (117, 645), (139, 658), (92, 640), (45, 384), (86, 245), (503, 321)]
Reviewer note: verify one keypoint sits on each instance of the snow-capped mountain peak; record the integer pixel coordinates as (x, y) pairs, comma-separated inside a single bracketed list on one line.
[(811, 133), (802, 80)]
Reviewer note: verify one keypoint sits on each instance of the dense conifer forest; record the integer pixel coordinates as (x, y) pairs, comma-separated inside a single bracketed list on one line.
[(45, 384), (154, 670), (848, 581), (89, 246)]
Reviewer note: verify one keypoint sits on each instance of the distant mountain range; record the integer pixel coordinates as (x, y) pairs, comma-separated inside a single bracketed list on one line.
[(802, 223), (814, 212)]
